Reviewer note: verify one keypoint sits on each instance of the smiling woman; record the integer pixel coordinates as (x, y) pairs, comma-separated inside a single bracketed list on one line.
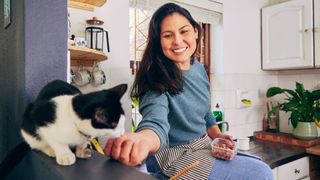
[(140, 13), (177, 126)]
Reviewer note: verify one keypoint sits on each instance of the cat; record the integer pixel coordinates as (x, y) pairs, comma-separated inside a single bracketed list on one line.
[(62, 117)]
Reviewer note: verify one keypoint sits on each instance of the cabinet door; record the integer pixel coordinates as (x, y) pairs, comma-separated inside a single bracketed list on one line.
[(297, 169), (287, 37), (275, 173), (317, 32)]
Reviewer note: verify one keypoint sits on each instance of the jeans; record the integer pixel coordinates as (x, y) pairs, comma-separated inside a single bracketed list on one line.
[(240, 168)]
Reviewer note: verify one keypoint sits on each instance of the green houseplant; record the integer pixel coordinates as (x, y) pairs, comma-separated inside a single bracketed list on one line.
[(304, 106)]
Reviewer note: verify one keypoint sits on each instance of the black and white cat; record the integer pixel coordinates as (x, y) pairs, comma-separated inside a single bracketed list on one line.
[(62, 117)]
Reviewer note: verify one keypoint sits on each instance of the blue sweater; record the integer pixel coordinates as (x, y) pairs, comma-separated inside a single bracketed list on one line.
[(181, 118)]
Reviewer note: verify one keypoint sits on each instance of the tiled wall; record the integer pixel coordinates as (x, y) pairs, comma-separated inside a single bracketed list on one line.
[(238, 67), (243, 121), (309, 78)]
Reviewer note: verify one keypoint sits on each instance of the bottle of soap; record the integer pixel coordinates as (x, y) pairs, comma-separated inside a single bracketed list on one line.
[(218, 115)]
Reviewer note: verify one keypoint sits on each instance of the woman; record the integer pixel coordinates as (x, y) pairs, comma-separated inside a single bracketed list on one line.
[(174, 96)]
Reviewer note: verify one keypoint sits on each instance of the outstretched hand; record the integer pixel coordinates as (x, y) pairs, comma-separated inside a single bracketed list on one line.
[(130, 148)]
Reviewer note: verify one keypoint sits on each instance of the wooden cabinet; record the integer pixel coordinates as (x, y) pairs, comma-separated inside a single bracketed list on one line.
[(298, 169), (288, 35)]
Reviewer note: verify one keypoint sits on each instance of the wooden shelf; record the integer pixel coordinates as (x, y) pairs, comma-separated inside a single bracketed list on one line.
[(85, 56), (87, 5)]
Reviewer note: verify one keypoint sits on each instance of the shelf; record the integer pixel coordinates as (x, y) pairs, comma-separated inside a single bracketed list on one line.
[(87, 5), (85, 56)]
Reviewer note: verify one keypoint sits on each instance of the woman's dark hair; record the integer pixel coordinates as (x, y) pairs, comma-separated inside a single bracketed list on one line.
[(156, 71)]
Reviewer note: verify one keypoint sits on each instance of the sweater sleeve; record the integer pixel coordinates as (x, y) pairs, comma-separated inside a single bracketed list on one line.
[(210, 120), (154, 110)]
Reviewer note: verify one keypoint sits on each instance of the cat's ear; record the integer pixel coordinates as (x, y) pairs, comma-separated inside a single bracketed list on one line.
[(119, 90)]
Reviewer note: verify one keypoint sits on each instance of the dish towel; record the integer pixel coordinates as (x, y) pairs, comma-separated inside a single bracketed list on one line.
[(172, 160)]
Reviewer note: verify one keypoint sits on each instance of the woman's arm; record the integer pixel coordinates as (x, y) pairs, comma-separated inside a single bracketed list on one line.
[(132, 148), (214, 132)]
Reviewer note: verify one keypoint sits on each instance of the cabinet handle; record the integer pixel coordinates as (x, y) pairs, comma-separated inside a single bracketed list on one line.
[(308, 30), (296, 171)]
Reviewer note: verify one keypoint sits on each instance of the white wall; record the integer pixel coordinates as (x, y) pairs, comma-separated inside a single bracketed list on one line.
[(239, 67), (115, 15)]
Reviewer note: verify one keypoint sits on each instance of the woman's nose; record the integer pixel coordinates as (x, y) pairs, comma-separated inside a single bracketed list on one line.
[(178, 39)]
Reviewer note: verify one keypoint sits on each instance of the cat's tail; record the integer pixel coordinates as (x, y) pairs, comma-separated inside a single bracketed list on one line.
[(14, 157)]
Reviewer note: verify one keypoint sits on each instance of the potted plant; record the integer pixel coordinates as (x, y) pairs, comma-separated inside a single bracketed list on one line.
[(304, 106)]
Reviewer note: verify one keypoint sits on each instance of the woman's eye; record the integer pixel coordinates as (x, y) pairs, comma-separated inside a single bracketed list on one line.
[(184, 31), (167, 36)]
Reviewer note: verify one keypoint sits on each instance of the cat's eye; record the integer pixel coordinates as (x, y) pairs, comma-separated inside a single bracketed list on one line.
[(101, 113)]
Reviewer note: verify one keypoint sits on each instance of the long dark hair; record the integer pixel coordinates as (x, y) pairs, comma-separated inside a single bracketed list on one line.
[(156, 71)]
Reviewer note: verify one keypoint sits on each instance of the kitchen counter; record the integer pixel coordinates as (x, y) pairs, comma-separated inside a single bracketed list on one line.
[(275, 154), (37, 166)]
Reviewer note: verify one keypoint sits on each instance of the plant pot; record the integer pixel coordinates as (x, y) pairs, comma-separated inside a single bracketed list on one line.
[(305, 131)]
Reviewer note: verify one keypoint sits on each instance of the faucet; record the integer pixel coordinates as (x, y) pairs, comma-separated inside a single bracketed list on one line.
[(224, 122)]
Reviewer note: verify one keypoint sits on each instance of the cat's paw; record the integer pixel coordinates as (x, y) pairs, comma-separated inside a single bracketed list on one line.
[(66, 159), (83, 152), (49, 151)]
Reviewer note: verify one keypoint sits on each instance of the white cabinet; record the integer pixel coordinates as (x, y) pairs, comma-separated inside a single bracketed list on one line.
[(317, 32), (298, 169), (288, 35)]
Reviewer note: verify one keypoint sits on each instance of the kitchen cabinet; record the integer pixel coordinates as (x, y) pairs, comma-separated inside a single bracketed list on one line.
[(289, 38), (298, 169), (317, 32)]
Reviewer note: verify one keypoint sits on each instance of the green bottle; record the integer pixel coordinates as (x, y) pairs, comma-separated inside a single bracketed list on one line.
[(218, 115)]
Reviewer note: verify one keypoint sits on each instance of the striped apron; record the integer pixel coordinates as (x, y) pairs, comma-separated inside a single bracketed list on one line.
[(173, 160)]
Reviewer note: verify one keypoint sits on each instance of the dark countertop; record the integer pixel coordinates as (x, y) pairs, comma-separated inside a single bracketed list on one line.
[(37, 166), (275, 154)]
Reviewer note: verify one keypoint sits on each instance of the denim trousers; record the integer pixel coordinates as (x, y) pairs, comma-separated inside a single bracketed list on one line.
[(239, 168)]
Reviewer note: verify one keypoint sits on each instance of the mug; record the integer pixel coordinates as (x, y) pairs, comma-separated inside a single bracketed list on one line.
[(82, 76), (243, 143), (98, 76), (81, 42)]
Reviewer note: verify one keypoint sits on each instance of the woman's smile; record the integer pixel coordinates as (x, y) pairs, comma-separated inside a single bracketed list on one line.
[(179, 50)]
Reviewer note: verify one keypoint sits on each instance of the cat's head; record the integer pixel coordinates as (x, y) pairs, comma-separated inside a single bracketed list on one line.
[(103, 107)]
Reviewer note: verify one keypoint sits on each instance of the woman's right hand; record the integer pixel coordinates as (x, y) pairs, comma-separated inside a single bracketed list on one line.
[(130, 148)]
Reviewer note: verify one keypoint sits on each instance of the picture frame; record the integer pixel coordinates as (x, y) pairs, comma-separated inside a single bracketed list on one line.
[(7, 13)]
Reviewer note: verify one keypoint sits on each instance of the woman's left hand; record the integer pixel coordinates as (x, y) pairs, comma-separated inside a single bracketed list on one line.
[(214, 132), (225, 136)]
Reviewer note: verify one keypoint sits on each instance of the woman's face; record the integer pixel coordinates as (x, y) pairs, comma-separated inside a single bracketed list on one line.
[(178, 39)]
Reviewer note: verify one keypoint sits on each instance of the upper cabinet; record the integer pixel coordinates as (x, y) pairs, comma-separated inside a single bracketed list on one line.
[(289, 36), (317, 32)]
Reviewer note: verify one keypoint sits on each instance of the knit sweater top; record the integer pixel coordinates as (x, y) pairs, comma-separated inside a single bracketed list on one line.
[(179, 119)]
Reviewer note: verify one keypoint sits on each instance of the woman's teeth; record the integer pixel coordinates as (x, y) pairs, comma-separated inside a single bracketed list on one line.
[(179, 50)]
